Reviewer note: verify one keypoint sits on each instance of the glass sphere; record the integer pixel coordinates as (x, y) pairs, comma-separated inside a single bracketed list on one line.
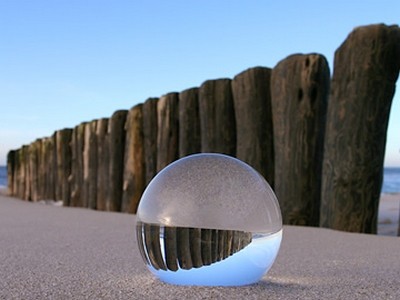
[(209, 219)]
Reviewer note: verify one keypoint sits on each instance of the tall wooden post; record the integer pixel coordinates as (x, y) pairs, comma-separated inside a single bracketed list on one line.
[(26, 174), (11, 172), (134, 171), (365, 72), (150, 126), (76, 178), (63, 149), (41, 169), (189, 122), (117, 146), (168, 130), (217, 117), (34, 170), (90, 165), (299, 93), (254, 140), (103, 163)]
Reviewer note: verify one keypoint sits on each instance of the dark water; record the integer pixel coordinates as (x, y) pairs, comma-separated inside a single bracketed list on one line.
[(391, 180)]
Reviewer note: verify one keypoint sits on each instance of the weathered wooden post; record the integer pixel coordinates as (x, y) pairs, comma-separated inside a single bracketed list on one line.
[(76, 178), (90, 165), (10, 172), (365, 72), (63, 149), (26, 174), (41, 169), (299, 93), (15, 182), (34, 170), (117, 146), (217, 117), (189, 122), (103, 163), (150, 126), (254, 133), (49, 159), (168, 130), (134, 170)]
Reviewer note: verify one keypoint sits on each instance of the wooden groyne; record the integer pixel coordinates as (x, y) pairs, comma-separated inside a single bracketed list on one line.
[(319, 141)]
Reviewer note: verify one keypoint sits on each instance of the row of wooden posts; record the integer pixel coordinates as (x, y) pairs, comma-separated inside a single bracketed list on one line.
[(319, 141)]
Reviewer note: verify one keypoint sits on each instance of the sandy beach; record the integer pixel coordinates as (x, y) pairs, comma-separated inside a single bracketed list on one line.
[(50, 252)]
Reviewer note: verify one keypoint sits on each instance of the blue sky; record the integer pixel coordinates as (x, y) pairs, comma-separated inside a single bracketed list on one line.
[(63, 62)]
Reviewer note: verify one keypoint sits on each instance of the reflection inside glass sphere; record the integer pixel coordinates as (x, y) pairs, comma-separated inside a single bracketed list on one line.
[(209, 219)]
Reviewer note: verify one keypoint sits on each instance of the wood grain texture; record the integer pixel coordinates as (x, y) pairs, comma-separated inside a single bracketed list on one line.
[(365, 72), (150, 129), (168, 130), (253, 114), (41, 170), (33, 153), (134, 169), (217, 117), (117, 147), (90, 167), (299, 93), (50, 163), (189, 122), (64, 156), (103, 163), (11, 172), (76, 178)]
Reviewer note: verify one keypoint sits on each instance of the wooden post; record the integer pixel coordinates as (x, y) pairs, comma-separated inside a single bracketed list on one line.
[(365, 72), (63, 149), (150, 126), (299, 93), (50, 163), (90, 165), (217, 117), (10, 172), (41, 169), (103, 163), (117, 146), (34, 170), (168, 130), (26, 176), (76, 178), (254, 140), (15, 184), (189, 122), (134, 171)]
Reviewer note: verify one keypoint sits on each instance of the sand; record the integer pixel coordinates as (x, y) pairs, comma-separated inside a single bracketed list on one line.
[(51, 252)]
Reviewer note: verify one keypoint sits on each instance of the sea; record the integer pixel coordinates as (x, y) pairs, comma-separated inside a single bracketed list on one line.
[(391, 180)]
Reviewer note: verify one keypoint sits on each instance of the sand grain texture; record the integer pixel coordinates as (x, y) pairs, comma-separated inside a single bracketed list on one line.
[(49, 252)]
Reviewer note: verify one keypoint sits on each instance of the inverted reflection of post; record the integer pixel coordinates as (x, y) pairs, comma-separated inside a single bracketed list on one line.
[(195, 247), (183, 243), (153, 247), (139, 236), (171, 255), (188, 248)]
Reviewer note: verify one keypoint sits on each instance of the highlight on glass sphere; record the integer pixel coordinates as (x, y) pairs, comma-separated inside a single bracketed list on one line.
[(209, 219)]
